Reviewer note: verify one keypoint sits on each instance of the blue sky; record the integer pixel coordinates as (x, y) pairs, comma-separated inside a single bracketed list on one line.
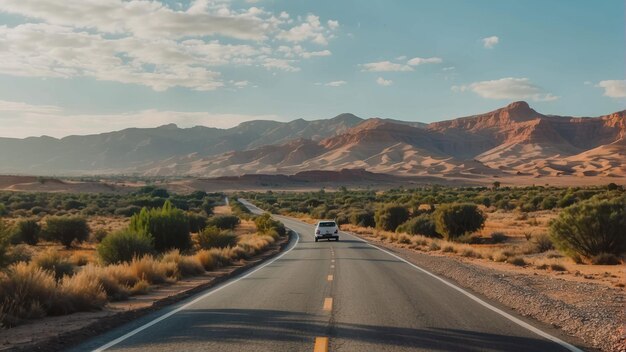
[(78, 67)]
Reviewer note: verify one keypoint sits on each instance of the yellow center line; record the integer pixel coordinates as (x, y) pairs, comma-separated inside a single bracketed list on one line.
[(328, 304), (330, 278), (321, 344)]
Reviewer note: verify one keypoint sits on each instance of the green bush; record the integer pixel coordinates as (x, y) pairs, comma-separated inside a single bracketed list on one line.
[(224, 222), (363, 218), (3, 210), (457, 219), (390, 217), (168, 226), (67, 229), (591, 227), (265, 224), (123, 246), (419, 225), (212, 237), (5, 237), (127, 211), (27, 231), (197, 222)]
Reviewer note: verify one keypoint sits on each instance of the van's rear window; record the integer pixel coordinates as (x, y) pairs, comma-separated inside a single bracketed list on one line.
[(327, 224)]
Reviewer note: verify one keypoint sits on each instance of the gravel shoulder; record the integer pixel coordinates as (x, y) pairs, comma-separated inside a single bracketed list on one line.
[(592, 312)]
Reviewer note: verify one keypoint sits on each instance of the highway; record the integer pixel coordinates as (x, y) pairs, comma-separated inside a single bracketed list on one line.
[(331, 296)]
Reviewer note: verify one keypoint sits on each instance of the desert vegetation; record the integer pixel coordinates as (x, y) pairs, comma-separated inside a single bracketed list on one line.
[(59, 253), (543, 224)]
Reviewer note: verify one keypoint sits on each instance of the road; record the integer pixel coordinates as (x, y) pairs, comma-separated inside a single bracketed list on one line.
[(337, 296)]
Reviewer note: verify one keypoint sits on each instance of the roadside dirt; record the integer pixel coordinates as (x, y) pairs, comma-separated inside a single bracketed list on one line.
[(59, 333), (593, 312)]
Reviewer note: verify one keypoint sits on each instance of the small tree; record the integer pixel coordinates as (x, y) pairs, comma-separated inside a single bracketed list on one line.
[(123, 246), (363, 218), (591, 227), (168, 226), (391, 216), (496, 184), (4, 243), (419, 225), (67, 229), (197, 222), (455, 220), (212, 237), (266, 224), (28, 231), (224, 222)]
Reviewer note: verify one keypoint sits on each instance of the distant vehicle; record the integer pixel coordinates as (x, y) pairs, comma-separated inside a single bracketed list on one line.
[(326, 229)]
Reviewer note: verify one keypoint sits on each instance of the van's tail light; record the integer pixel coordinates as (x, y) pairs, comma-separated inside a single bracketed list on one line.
[(317, 232), (336, 231)]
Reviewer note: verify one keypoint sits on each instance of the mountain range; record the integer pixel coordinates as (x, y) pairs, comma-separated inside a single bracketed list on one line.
[(510, 141)]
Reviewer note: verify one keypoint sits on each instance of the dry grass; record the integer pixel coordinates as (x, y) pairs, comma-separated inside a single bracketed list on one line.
[(187, 265)]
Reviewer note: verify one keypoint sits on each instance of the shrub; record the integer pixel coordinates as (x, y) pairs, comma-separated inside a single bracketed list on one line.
[(419, 225), (434, 246), (517, 261), (123, 246), (3, 210), (362, 218), (168, 226), (127, 211), (26, 292), (5, 237), (153, 271), (557, 267), (67, 229), (454, 220), (212, 237), (498, 237), (79, 293), (605, 259), (543, 243), (207, 259), (591, 227), (197, 222), (27, 231), (265, 225), (52, 261), (98, 235), (187, 265), (224, 222), (390, 217)]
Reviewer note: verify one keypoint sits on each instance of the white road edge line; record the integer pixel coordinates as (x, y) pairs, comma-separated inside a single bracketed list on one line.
[(169, 314), (484, 304)]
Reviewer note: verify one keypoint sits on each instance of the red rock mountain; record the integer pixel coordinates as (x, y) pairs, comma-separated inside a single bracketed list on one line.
[(511, 141)]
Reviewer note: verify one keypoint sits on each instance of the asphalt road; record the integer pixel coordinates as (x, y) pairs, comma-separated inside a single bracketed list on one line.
[(344, 296)]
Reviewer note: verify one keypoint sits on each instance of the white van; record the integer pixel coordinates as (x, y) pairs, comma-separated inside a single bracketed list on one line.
[(326, 229)]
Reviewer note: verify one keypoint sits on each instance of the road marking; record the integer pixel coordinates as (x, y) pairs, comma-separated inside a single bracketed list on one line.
[(332, 266), (169, 314), (485, 304), (328, 304), (321, 344), (330, 278), (332, 260)]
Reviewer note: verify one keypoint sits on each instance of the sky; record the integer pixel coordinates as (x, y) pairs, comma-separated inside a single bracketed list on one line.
[(91, 66)]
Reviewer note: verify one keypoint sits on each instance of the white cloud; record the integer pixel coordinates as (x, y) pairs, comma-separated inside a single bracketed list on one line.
[(335, 83), (19, 120), (490, 42), (385, 66), (449, 68), (280, 64), (388, 66), (146, 42), (613, 88), (419, 61), (507, 88), (384, 82), (310, 30)]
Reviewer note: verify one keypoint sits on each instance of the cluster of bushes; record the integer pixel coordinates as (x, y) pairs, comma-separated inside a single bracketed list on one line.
[(41, 204)]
